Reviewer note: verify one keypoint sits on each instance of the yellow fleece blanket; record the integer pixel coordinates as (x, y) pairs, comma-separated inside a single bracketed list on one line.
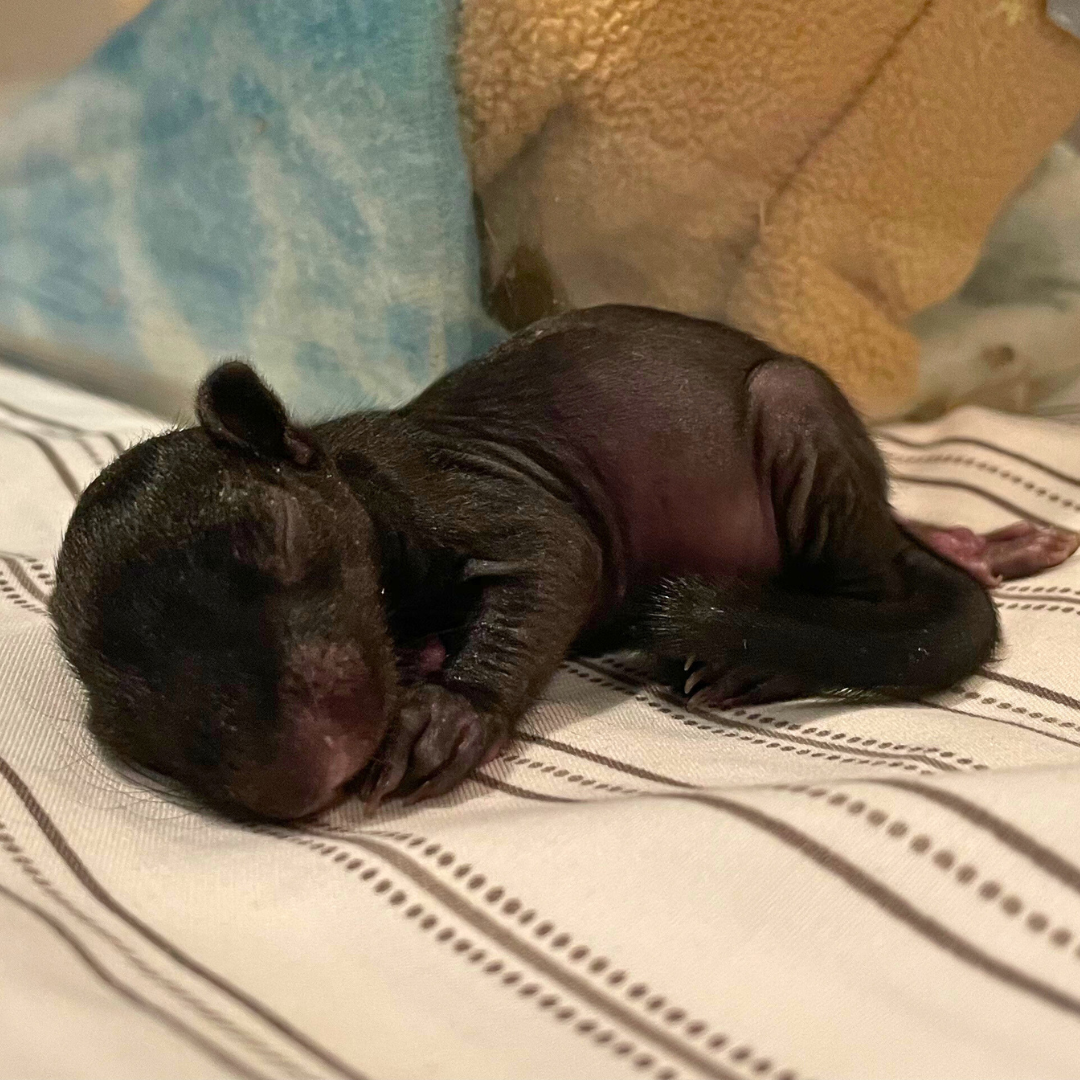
[(815, 171)]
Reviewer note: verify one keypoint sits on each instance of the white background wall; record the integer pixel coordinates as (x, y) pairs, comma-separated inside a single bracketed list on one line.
[(41, 39)]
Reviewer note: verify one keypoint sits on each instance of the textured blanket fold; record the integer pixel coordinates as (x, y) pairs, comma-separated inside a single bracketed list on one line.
[(278, 178)]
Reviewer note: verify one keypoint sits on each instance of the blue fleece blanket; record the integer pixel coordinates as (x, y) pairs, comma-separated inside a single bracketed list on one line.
[(276, 178)]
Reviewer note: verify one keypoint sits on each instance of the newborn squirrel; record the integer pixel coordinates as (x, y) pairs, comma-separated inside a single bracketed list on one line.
[(277, 615)]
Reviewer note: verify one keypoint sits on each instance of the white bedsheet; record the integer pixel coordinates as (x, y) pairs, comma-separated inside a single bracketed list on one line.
[(633, 890)]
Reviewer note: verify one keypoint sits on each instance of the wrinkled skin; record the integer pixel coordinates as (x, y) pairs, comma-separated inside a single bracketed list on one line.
[(1018, 550), (277, 616)]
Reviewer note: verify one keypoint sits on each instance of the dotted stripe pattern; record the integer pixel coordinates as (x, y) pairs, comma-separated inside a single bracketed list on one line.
[(989, 889), (929, 445), (1011, 905), (948, 761), (566, 774), (12, 591), (38, 569), (962, 873), (512, 977), (1040, 590), (9, 592), (1065, 606), (30, 869), (716, 727), (1008, 706), (556, 771), (968, 461), (598, 967)]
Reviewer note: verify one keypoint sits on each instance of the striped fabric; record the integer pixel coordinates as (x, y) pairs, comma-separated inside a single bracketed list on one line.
[(635, 889)]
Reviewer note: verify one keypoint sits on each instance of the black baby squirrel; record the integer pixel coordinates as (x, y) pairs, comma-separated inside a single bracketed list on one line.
[(277, 615)]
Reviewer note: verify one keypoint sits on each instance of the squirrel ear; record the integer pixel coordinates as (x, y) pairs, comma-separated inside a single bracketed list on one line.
[(238, 409)]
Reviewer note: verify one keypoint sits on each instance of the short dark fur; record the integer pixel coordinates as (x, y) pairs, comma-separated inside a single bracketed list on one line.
[(265, 612)]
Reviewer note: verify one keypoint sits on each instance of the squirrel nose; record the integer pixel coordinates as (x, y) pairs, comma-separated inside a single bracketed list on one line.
[(306, 775), (332, 716)]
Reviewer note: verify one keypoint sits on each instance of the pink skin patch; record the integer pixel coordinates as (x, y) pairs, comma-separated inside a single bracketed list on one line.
[(1015, 551), (430, 656), (497, 748), (417, 663)]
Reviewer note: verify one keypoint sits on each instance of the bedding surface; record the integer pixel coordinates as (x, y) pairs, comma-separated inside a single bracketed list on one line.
[(634, 889)]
